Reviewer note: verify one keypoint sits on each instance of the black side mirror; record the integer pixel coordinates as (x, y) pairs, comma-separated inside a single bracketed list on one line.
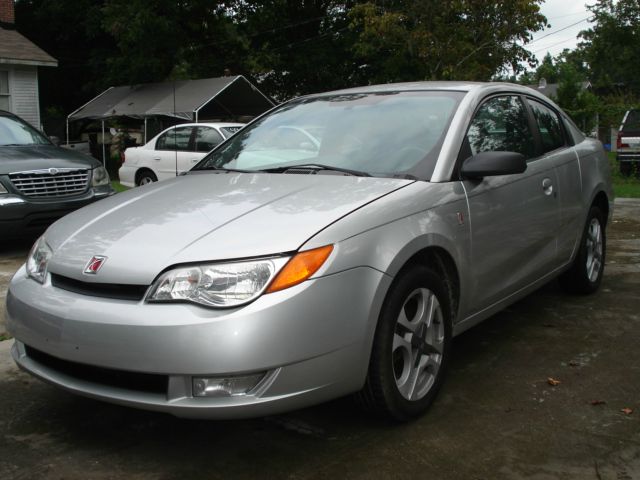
[(55, 140), (489, 164)]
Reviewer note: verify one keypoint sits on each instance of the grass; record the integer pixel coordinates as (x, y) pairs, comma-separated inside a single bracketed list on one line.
[(623, 187), (118, 187)]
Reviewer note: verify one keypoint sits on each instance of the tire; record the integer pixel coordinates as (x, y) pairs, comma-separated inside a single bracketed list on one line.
[(585, 274), (144, 177), (395, 388)]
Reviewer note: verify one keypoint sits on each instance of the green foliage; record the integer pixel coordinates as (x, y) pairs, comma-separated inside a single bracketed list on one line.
[(289, 48), (611, 45), (432, 40), (625, 187)]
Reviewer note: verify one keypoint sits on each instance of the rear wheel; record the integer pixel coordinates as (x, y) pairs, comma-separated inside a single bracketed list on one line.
[(585, 274), (145, 177), (411, 346)]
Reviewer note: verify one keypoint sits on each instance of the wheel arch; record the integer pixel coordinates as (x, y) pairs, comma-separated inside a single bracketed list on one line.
[(142, 170), (601, 200), (440, 260)]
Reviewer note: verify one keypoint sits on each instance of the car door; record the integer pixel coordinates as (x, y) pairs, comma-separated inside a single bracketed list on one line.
[(558, 150), (514, 218), (172, 148)]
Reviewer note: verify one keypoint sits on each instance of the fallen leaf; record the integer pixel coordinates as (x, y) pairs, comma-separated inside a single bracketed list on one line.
[(553, 382), (573, 363), (598, 402), (627, 411)]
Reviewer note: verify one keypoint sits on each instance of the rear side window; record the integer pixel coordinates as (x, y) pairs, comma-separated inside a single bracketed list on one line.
[(175, 139), (631, 121), (548, 125), (501, 125), (206, 139)]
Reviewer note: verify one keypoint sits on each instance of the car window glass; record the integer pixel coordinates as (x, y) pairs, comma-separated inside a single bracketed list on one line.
[(228, 131), (549, 126), (16, 132), (500, 125), (206, 139), (380, 133), (174, 139)]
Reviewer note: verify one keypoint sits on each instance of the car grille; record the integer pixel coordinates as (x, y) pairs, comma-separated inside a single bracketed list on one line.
[(142, 382), (51, 182), (103, 290)]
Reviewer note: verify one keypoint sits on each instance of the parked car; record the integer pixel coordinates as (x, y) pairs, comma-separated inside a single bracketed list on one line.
[(172, 152), (628, 143), (40, 182), (260, 282)]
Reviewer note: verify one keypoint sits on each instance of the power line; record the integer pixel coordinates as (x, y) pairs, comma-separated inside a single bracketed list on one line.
[(554, 45), (567, 15), (558, 31)]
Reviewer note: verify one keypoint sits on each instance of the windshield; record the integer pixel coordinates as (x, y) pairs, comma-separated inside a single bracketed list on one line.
[(380, 134), (17, 132)]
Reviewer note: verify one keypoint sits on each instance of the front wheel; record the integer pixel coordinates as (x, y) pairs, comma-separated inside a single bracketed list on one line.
[(585, 274), (411, 347)]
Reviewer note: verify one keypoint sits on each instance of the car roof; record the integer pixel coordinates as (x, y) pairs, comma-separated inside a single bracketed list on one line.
[(476, 87)]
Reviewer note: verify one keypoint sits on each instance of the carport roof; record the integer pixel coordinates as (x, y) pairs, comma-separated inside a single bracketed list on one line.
[(221, 96)]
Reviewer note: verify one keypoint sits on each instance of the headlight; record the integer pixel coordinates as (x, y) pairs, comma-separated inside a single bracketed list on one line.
[(38, 260), (216, 285), (2, 189), (234, 284), (100, 177)]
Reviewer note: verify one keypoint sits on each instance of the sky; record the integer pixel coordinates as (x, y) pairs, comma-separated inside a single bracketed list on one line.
[(567, 19)]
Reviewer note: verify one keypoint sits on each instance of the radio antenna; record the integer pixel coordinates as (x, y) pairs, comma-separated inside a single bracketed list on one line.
[(175, 128)]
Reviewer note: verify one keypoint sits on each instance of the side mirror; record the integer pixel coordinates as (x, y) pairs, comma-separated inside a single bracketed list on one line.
[(490, 164), (55, 140)]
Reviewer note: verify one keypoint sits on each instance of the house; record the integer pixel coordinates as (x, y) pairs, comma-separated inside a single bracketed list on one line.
[(19, 62), (550, 90)]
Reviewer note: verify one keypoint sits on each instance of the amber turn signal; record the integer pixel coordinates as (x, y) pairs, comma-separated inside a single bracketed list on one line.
[(299, 268)]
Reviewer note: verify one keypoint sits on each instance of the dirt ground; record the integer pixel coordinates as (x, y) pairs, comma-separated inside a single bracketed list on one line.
[(497, 416)]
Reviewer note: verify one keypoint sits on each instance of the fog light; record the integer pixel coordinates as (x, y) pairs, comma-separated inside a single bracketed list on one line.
[(225, 386)]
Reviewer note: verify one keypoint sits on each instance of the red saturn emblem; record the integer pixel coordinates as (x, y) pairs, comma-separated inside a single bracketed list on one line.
[(94, 265)]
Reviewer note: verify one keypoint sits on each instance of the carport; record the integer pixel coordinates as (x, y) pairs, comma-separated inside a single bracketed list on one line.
[(189, 100)]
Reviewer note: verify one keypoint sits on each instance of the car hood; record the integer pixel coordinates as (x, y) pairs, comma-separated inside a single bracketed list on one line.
[(36, 157), (204, 217)]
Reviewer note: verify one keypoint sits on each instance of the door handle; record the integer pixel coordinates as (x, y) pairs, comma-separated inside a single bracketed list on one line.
[(547, 186), (156, 158)]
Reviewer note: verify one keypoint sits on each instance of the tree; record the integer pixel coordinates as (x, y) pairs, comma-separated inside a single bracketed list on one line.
[(428, 39), (611, 45), (161, 39)]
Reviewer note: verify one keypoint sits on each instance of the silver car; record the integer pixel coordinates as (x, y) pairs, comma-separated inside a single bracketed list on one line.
[(278, 273)]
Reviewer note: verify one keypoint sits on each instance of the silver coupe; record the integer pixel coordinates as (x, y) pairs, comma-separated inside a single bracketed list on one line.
[(333, 246)]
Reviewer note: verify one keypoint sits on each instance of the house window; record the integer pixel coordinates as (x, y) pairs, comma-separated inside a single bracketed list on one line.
[(4, 90)]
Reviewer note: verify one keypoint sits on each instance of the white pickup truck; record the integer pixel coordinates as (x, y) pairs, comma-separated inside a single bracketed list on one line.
[(628, 143)]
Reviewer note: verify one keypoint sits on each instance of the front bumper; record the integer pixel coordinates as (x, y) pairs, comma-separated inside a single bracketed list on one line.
[(312, 341), (21, 215)]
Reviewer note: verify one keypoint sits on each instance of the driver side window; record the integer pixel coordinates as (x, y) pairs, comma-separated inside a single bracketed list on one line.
[(501, 125)]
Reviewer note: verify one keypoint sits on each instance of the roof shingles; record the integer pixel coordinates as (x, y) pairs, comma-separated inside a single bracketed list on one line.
[(16, 49)]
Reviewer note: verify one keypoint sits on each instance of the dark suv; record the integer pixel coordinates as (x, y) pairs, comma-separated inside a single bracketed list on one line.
[(40, 182), (628, 143)]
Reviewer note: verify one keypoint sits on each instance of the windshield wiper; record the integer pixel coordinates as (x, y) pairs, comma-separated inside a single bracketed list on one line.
[(316, 167), (223, 169)]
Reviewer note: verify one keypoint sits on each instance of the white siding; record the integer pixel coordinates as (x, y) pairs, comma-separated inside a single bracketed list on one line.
[(23, 88)]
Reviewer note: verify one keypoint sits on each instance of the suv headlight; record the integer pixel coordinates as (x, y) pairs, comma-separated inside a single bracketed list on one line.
[(38, 260), (2, 189), (99, 177), (234, 284)]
